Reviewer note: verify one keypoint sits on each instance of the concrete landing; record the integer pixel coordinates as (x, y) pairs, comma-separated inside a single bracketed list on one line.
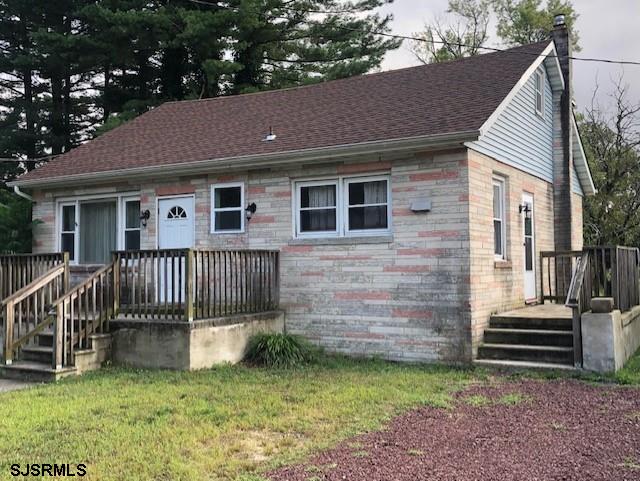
[(540, 311), (7, 385)]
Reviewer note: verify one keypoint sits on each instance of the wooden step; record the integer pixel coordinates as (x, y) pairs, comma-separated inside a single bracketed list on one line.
[(537, 323), (526, 352), (537, 337), (42, 354), (34, 371)]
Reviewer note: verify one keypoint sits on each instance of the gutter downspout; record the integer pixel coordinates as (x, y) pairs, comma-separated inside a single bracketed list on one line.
[(17, 191)]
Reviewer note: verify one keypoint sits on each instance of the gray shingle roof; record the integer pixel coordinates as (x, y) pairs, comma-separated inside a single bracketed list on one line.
[(432, 99)]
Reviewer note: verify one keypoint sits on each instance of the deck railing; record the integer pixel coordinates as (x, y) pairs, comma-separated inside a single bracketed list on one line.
[(19, 270), (604, 271), (556, 271), (28, 311), (188, 284), (84, 310)]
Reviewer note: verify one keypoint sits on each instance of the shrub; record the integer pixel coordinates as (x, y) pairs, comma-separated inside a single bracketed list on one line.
[(280, 350)]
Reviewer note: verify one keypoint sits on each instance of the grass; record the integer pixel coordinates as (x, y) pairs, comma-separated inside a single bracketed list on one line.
[(225, 423)]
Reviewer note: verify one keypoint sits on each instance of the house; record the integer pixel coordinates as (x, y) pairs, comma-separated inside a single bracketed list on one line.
[(407, 207)]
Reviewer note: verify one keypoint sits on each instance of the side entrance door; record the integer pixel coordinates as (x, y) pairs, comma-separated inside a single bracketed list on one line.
[(529, 248), (176, 225)]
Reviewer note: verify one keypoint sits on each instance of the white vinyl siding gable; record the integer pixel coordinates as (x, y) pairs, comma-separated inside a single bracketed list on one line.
[(520, 137)]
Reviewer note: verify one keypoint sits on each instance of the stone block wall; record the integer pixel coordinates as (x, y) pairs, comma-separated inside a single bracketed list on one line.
[(498, 286)]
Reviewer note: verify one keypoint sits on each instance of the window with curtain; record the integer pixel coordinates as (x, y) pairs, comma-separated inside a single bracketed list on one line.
[(499, 237), (98, 231), (367, 205), (227, 211), (318, 208), (343, 206), (132, 225)]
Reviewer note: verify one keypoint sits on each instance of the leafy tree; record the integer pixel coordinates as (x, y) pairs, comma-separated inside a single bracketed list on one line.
[(612, 144), (461, 37), (16, 225), (526, 21)]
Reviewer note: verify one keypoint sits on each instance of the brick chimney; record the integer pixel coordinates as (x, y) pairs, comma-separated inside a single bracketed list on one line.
[(562, 140)]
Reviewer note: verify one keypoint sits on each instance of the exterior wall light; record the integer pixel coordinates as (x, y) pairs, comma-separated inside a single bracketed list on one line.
[(144, 217), (250, 210), (526, 209)]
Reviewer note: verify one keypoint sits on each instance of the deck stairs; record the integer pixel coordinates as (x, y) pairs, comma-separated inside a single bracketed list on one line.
[(34, 362), (533, 337)]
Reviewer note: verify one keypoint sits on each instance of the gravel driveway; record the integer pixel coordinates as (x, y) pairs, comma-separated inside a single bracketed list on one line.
[(529, 430)]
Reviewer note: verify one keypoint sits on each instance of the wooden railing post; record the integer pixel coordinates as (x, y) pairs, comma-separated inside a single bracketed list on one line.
[(188, 282), (615, 277), (59, 340), (116, 284), (66, 279), (9, 321)]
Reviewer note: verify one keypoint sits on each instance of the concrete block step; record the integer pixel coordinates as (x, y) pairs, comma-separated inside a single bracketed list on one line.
[(34, 371), (536, 337), (526, 352), (516, 322), (502, 364)]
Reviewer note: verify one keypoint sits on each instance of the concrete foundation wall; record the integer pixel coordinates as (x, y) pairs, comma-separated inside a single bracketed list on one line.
[(184, 346), (609, 339)]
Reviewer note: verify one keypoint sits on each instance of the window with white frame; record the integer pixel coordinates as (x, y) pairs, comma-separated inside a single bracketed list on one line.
[(343, 207), (499, 231), (131, 224), (539, 91), (68, 226), (90, 228), (318, 207), (227, 209)]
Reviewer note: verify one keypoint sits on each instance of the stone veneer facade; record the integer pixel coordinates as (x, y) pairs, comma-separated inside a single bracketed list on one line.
[(423, 294)]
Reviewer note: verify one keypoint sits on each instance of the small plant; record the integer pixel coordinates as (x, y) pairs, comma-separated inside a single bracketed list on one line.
[(280, 350), (415, 452)]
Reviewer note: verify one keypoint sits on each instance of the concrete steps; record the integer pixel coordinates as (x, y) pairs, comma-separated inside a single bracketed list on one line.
[(35, 371), (535, 341)]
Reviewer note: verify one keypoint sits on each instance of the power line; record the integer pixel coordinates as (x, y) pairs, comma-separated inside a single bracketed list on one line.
[(414, 38)]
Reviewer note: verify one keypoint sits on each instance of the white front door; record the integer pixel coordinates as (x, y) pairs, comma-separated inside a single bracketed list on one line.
[(176, 217), (529, 248)]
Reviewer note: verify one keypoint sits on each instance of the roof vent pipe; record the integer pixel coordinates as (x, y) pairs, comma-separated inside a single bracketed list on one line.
[(270, 136)]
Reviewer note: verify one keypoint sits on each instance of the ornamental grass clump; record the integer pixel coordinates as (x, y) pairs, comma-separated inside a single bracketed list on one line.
[(280, 350)]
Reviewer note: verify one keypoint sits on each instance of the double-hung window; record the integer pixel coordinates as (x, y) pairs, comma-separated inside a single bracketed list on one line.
[(318, 208), (499, 231), (227, 211), (344, 206), (538, 80)]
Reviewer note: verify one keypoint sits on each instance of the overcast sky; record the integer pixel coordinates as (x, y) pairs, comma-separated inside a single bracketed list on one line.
[(608, 29)]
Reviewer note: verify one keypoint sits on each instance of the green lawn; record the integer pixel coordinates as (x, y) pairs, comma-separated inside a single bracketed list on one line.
[(225, 423)]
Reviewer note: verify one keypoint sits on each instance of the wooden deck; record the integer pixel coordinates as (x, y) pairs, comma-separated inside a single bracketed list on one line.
[(540, 311)]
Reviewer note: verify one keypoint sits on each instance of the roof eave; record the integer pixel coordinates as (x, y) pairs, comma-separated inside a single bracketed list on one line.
[(321, 154)]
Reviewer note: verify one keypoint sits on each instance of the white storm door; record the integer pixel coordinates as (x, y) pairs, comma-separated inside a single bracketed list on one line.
[(529, 248), (176, 223)]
